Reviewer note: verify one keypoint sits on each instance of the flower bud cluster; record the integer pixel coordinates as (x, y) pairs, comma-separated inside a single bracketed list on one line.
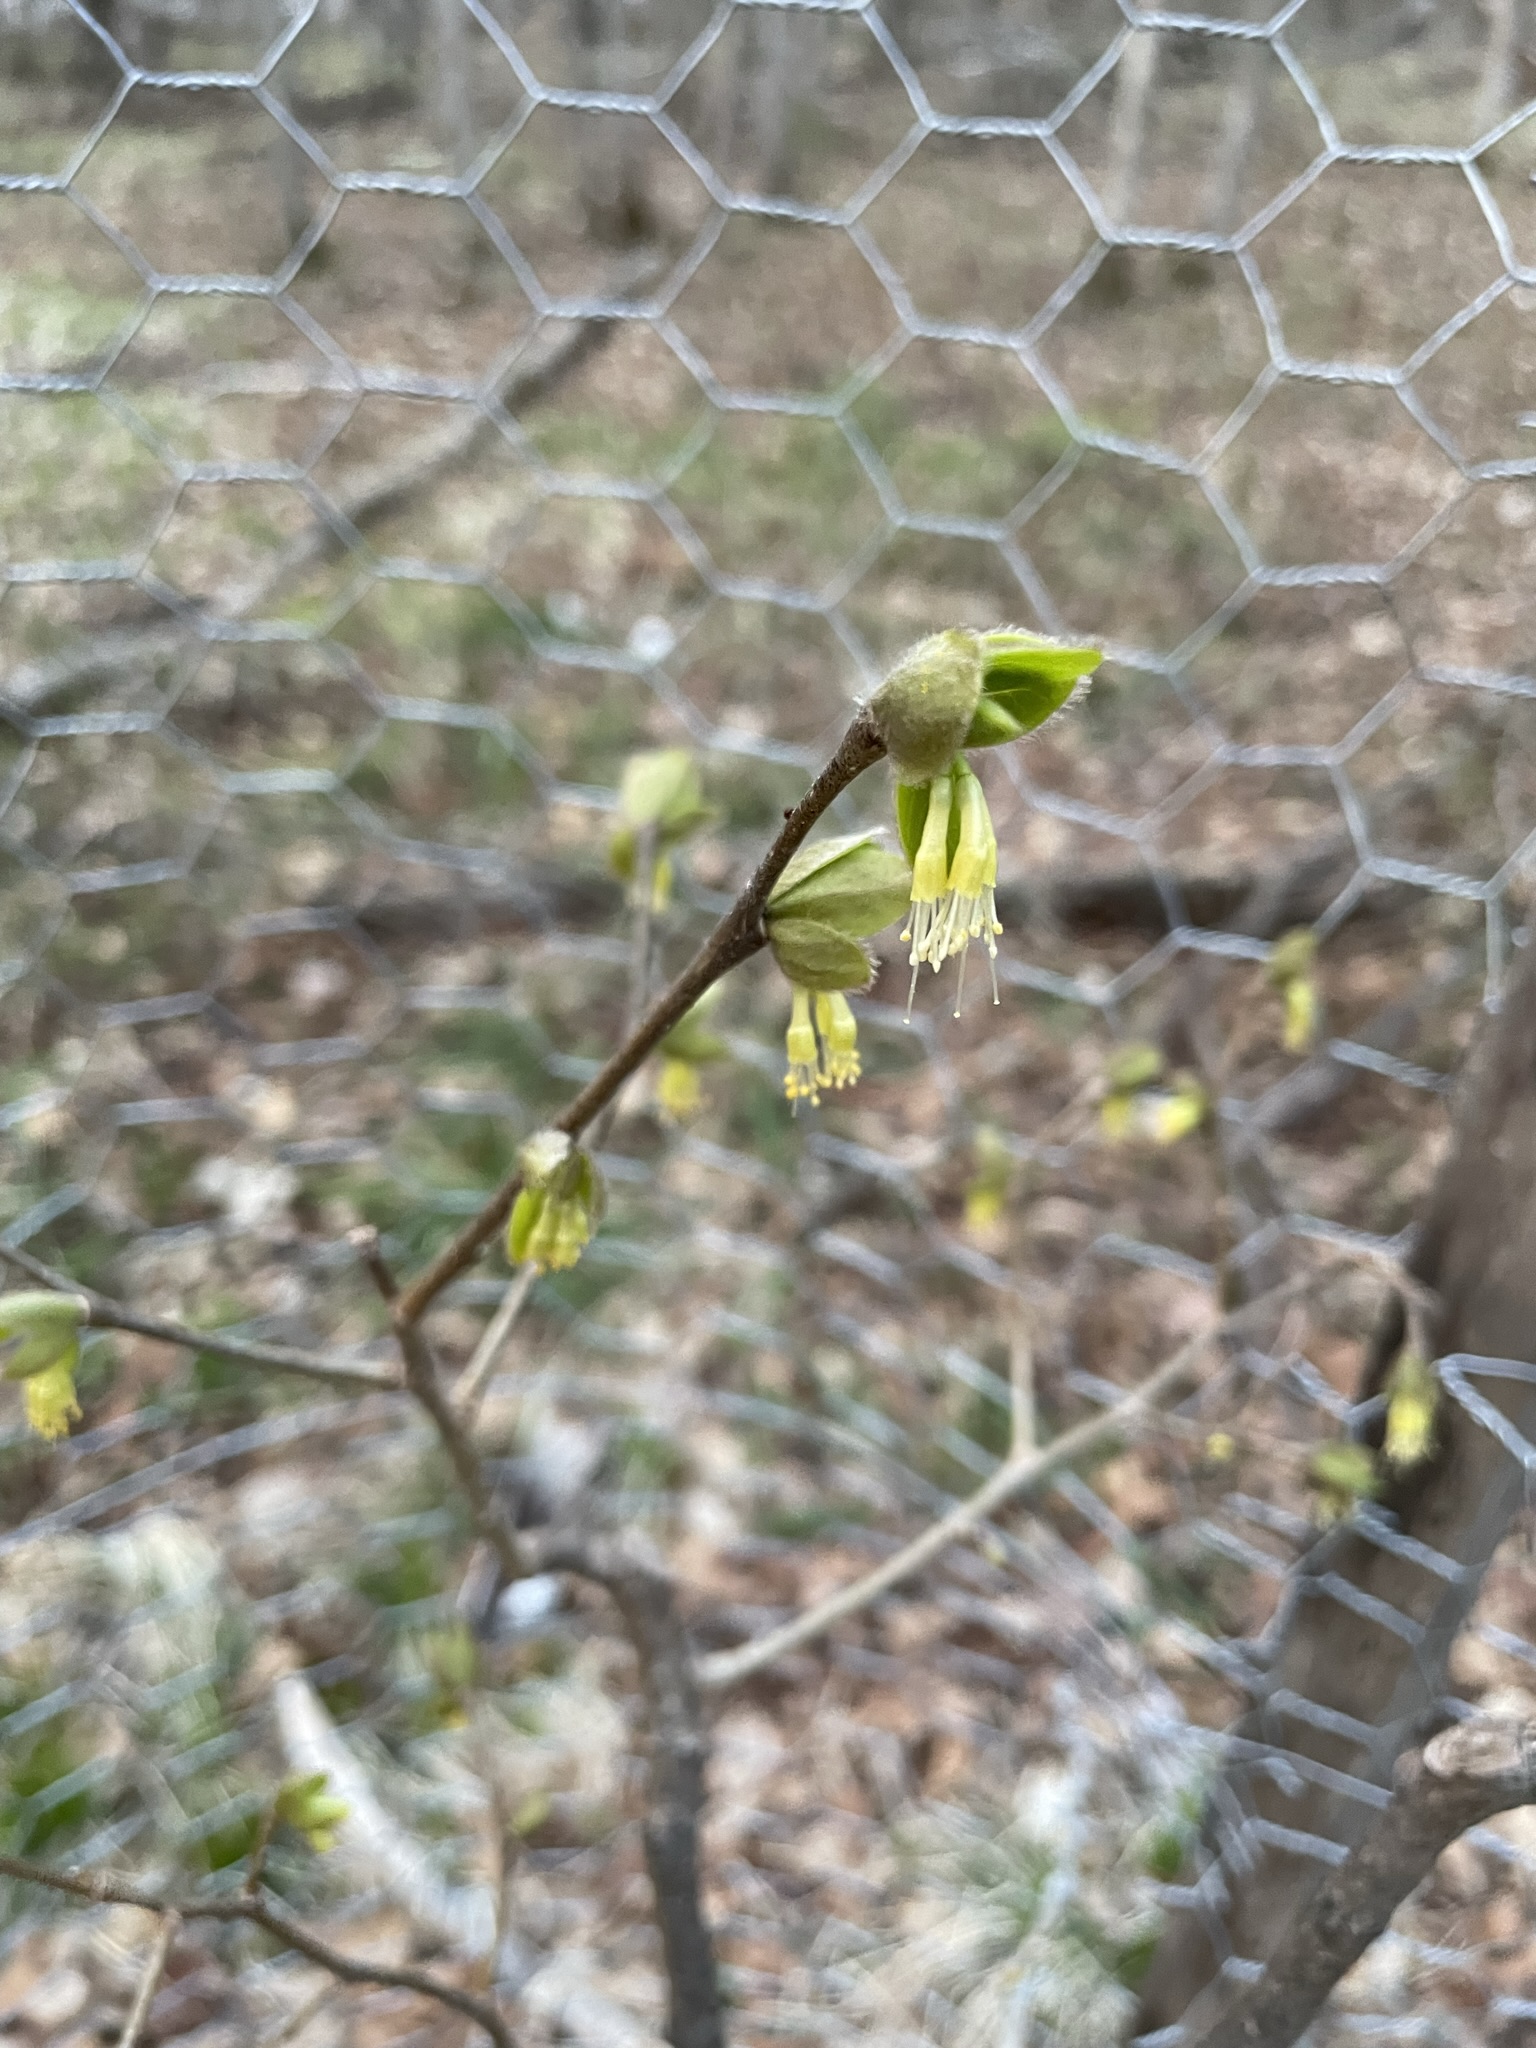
[(1144, 1101), (955, 691), (963, 689), (831, 897), (660, 799), (40, 1345), (1289, 968), (560, 1205)]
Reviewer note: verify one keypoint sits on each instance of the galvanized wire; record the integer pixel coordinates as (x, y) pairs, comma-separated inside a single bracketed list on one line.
[(246, 961)]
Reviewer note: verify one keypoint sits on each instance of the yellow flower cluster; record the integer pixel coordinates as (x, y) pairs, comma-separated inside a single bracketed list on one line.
[(823, 1053)]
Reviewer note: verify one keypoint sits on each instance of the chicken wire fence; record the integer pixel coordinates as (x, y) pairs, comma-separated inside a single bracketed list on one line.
[(408, 415)]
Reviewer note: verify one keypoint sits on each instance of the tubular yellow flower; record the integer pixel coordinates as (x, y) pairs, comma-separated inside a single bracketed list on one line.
[(971, 906), (802, 1082), (40, 1346), (947, 830), (930, 884), (839, 1032)]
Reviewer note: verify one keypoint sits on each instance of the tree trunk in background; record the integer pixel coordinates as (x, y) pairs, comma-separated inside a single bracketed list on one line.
[(1135, 77), (613, 192), (291, 169), (96, 64), (1496, 86), (290, 174), (1221, 201), (398, 26), (1357, 1659), (770, 86), (452, 113)]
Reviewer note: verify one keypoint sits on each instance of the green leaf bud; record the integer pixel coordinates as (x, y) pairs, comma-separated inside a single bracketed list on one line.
[(924, 708), (1026, 677), (44, 1327), (817, 956), (1132, 1066), (541, 1157), (40, 1344), (662, 789), (851, 883), (659, 793), (963, 689), (560, 1205), (305, 1804)]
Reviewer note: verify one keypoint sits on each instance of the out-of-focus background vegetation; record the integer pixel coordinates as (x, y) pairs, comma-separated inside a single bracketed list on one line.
[(406, 414)]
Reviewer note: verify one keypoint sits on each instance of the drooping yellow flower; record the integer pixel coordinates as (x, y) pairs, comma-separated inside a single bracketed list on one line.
[(838, 1031), (1413, 1395), (40, 1346), (50, 1399), (930, 885), (971, 911), (947, 831), (802, 1081)]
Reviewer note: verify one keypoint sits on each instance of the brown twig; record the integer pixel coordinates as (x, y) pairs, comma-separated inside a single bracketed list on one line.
[(365, 1242), (492, 1521), (103, 1890), (149, 1982), (422, 1381), (103, 1313), (642, 1590), (642, 890), (472, 1381), (256, 1869), (737, 936), (1460, 1778)]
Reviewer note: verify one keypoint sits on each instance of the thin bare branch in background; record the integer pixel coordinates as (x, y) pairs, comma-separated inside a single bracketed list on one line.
[(149, 1982), (643, 1591), (1018, 1476), (103, 1313), (1496, 82), (1021, 1379), (1240, 112), (290, 2028), (472, 1382), (101, 1889), (1135, 77)]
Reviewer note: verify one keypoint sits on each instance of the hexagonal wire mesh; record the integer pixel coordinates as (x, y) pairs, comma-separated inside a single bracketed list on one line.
[(409, 416)]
